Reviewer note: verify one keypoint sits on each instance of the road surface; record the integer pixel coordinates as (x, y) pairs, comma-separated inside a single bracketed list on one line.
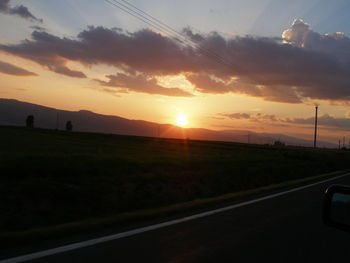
[(284, 228)]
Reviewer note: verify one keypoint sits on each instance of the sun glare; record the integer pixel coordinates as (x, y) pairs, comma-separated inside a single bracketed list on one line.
[(181, 120)]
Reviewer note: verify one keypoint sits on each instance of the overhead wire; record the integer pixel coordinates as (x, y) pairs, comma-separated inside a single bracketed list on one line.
[(154, 22), (131, 13), (183, 36), (164, 28)]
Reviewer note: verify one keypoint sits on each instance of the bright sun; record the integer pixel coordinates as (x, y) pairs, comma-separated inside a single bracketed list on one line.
[(181, 120)]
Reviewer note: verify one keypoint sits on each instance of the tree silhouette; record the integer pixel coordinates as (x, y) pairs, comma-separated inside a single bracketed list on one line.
[(30, 121), (279, 143), (69, 126)]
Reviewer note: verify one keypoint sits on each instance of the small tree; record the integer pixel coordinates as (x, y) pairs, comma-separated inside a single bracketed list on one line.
[(30, 121), (69, 126), (279, 143)]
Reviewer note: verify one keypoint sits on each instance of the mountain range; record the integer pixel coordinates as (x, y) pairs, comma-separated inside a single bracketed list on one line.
[(14, 113)]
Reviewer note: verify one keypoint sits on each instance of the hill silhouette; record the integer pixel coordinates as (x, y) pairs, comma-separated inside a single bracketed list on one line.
[(14, 113)]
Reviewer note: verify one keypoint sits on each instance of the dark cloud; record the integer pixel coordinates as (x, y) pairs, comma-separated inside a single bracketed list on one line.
[(19, 10), (45, 51), (258, 117), (192, 36), (210, 84), (140, 83), (38, 28), (4, 6), (261, 116), (236, 115), (325, 121), (62, 69), (206, 84), (306, 66), (14, 70)]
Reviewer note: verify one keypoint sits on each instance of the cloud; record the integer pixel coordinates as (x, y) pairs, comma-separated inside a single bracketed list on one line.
[(19, 10), (325, 121), (45, 51), (62, 69), (258, 117), (140, 83), (305, 65), (236, 115), (300, 34), (206, 84), (210, 84), (38, 28), (14, 70), (192, 36)]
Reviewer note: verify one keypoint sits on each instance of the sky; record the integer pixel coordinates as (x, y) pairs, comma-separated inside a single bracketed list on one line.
[(258, 65)]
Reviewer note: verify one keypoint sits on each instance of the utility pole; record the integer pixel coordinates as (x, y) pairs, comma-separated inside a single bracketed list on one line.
[(57, 121), (344, 142), (315, 136)]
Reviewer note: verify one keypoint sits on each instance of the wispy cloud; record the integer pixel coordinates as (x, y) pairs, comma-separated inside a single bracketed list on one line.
[(236, 116), (38, 28), (19, 10), (14, 70), (325, 121), (252, 117), (140, 83)]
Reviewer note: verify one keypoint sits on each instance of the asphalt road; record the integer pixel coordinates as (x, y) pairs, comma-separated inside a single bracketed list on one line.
[(286, 228)]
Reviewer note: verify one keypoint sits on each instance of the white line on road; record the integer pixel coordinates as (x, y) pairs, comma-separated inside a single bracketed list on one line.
[(96, 241)]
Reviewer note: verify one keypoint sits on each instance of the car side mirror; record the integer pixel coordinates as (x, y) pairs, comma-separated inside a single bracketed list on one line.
[(336, 210)]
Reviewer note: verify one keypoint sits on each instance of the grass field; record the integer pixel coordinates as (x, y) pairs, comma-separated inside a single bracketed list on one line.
[(49, 178)]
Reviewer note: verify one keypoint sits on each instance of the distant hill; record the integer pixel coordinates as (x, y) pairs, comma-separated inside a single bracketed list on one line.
[(13, 112)]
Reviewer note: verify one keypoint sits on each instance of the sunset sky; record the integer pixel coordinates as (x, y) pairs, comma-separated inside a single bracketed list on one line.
[(258, 65)]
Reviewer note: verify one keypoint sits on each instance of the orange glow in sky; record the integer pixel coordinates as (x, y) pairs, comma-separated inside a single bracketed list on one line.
[(181, 120), (104, 60)]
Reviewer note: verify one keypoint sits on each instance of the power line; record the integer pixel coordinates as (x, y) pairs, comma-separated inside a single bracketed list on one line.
[(164, 28), (315, 134), (162, 23), (175, 31), (145, 21), (183, 36), (159, 25), (138, 15)]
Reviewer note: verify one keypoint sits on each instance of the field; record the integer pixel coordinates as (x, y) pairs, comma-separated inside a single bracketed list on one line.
[(51, 178)]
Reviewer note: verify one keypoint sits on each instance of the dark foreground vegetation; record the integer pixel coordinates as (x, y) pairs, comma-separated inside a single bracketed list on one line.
[(53, 177)]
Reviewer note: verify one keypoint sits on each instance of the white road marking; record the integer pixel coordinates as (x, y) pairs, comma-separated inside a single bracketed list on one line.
[(96, 241)]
